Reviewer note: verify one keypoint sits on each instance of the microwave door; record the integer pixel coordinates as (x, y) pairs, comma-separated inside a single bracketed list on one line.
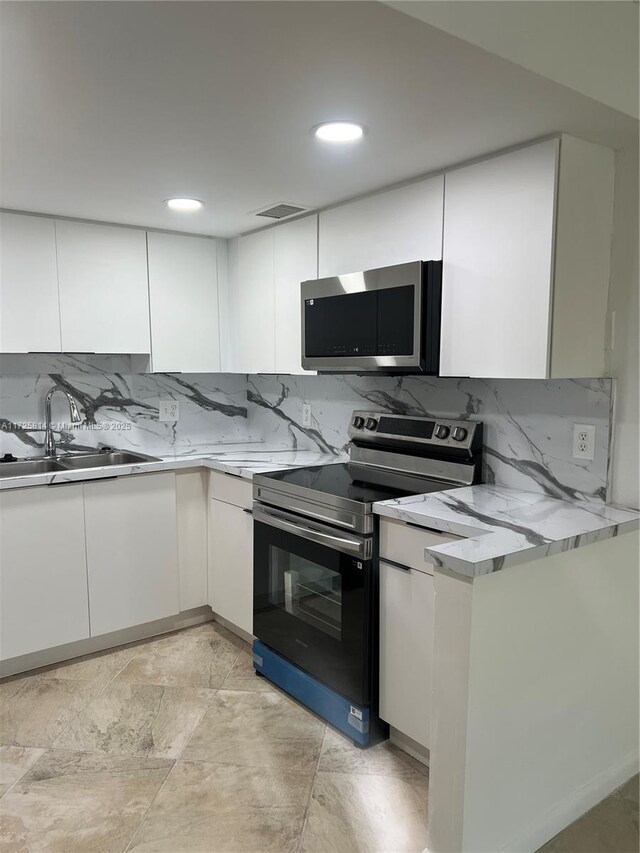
[(365, 321), (341, 326)]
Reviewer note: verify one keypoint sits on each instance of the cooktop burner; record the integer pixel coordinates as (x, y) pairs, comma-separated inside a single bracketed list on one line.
[(343, 480)]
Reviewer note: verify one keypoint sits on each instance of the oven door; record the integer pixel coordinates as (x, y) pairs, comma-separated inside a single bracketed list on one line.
[(312, 599)]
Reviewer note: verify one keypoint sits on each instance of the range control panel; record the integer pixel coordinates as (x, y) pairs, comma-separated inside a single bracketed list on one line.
[(440, 433)]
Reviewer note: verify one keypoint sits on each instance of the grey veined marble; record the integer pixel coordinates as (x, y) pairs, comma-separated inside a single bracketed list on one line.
[(528, 423), (503, 527)]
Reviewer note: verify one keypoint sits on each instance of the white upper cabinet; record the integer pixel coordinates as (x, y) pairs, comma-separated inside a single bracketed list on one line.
[(526, 263), (296, 260), (251, 304), (29, 315), (104, 299), (393, 227), (183, 297)]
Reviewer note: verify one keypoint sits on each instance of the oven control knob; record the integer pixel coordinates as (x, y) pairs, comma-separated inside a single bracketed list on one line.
[(458, 433), (371, 423), (358, 422), (441, 431)]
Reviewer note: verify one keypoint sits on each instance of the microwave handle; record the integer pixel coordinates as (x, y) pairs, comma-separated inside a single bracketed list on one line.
[(350, 545)]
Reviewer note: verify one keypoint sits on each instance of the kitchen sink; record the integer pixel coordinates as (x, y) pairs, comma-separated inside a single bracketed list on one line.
[(98, 460), (30, 466)]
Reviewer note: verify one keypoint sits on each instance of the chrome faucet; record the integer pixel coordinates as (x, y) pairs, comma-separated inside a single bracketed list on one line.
[(49, 441)]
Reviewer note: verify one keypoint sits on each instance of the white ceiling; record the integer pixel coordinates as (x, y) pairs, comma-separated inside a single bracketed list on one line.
[(589, 45), (108, 108)]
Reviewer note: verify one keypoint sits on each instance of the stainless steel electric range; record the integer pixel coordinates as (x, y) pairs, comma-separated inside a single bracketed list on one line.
[(315, 612)]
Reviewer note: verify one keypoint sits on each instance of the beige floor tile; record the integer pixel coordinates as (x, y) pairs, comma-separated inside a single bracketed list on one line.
[(182, 660), (243, 676), (213, 808), (207, 629), (611, 827), (14, 763), (35, 710), (363, 813), (98, 667), (257, 730), (137, 719), (340, 755), (75, 803)]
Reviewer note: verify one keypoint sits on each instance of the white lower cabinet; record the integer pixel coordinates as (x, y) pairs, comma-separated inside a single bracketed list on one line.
[(231, 553), (132, 551), (406, 649), (191, 500), (43, 571)]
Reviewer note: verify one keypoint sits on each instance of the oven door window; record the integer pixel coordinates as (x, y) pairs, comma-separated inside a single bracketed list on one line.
[(310, 605), (312, 593)]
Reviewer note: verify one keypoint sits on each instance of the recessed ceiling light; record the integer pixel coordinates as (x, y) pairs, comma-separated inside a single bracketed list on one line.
[(185, 205), (339, 131)]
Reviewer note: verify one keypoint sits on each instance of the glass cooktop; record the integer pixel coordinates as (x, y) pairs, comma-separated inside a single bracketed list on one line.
[(344, 481)]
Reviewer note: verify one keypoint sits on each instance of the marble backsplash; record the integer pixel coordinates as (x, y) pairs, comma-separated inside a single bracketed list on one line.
[(119, 405), (528, 423)]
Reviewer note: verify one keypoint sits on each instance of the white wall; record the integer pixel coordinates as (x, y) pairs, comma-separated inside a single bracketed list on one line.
[(552, 724), (624, 357)]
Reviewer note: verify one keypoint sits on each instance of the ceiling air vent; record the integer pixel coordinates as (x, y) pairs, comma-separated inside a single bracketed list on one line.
[(281, 211)]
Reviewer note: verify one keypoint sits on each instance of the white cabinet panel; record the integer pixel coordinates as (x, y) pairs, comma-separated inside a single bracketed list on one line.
[(191, 501), (296, 260), (251, 304), (43, 570), (406, 650), (393, 227), (183, 296), (231, 564), (498, 265), (132, 553), (104, 299), (29, 314)]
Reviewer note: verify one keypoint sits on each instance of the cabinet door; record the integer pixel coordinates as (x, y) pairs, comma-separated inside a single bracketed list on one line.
[(296, 260), (43, 570), (231, 564), (29, 313), (498, 265), (132, 552), (393, 227), (104, 299), (191, 501), (251, 303), (406, 650), (183, 297)]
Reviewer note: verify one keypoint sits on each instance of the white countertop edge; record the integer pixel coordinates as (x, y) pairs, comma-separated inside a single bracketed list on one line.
[(273, 460), (438, 554), (486, 547)]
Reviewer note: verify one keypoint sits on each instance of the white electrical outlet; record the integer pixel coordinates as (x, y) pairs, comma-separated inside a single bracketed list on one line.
[(584, 441), (307, 416), (168, 410)]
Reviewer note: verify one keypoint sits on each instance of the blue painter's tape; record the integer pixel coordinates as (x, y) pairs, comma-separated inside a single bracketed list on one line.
[(351, 719)]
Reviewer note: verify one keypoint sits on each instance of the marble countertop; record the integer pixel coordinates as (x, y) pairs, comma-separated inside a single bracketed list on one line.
[(239, 460), (504, 527)]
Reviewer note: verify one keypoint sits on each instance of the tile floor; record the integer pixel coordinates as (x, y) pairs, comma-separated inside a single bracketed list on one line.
[(176, 745)]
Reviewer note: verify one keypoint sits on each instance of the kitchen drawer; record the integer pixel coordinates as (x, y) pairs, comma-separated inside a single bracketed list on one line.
[(403, 543), (231, 490)]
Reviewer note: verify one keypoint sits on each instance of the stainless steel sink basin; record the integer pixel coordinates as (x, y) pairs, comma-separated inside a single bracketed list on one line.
[(30, 466), (98, 460)]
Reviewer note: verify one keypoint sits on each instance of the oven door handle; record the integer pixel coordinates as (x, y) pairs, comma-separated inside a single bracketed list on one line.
[(341, 543)]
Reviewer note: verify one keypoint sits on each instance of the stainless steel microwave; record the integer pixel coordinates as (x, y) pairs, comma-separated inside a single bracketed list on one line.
[(385, 320)]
